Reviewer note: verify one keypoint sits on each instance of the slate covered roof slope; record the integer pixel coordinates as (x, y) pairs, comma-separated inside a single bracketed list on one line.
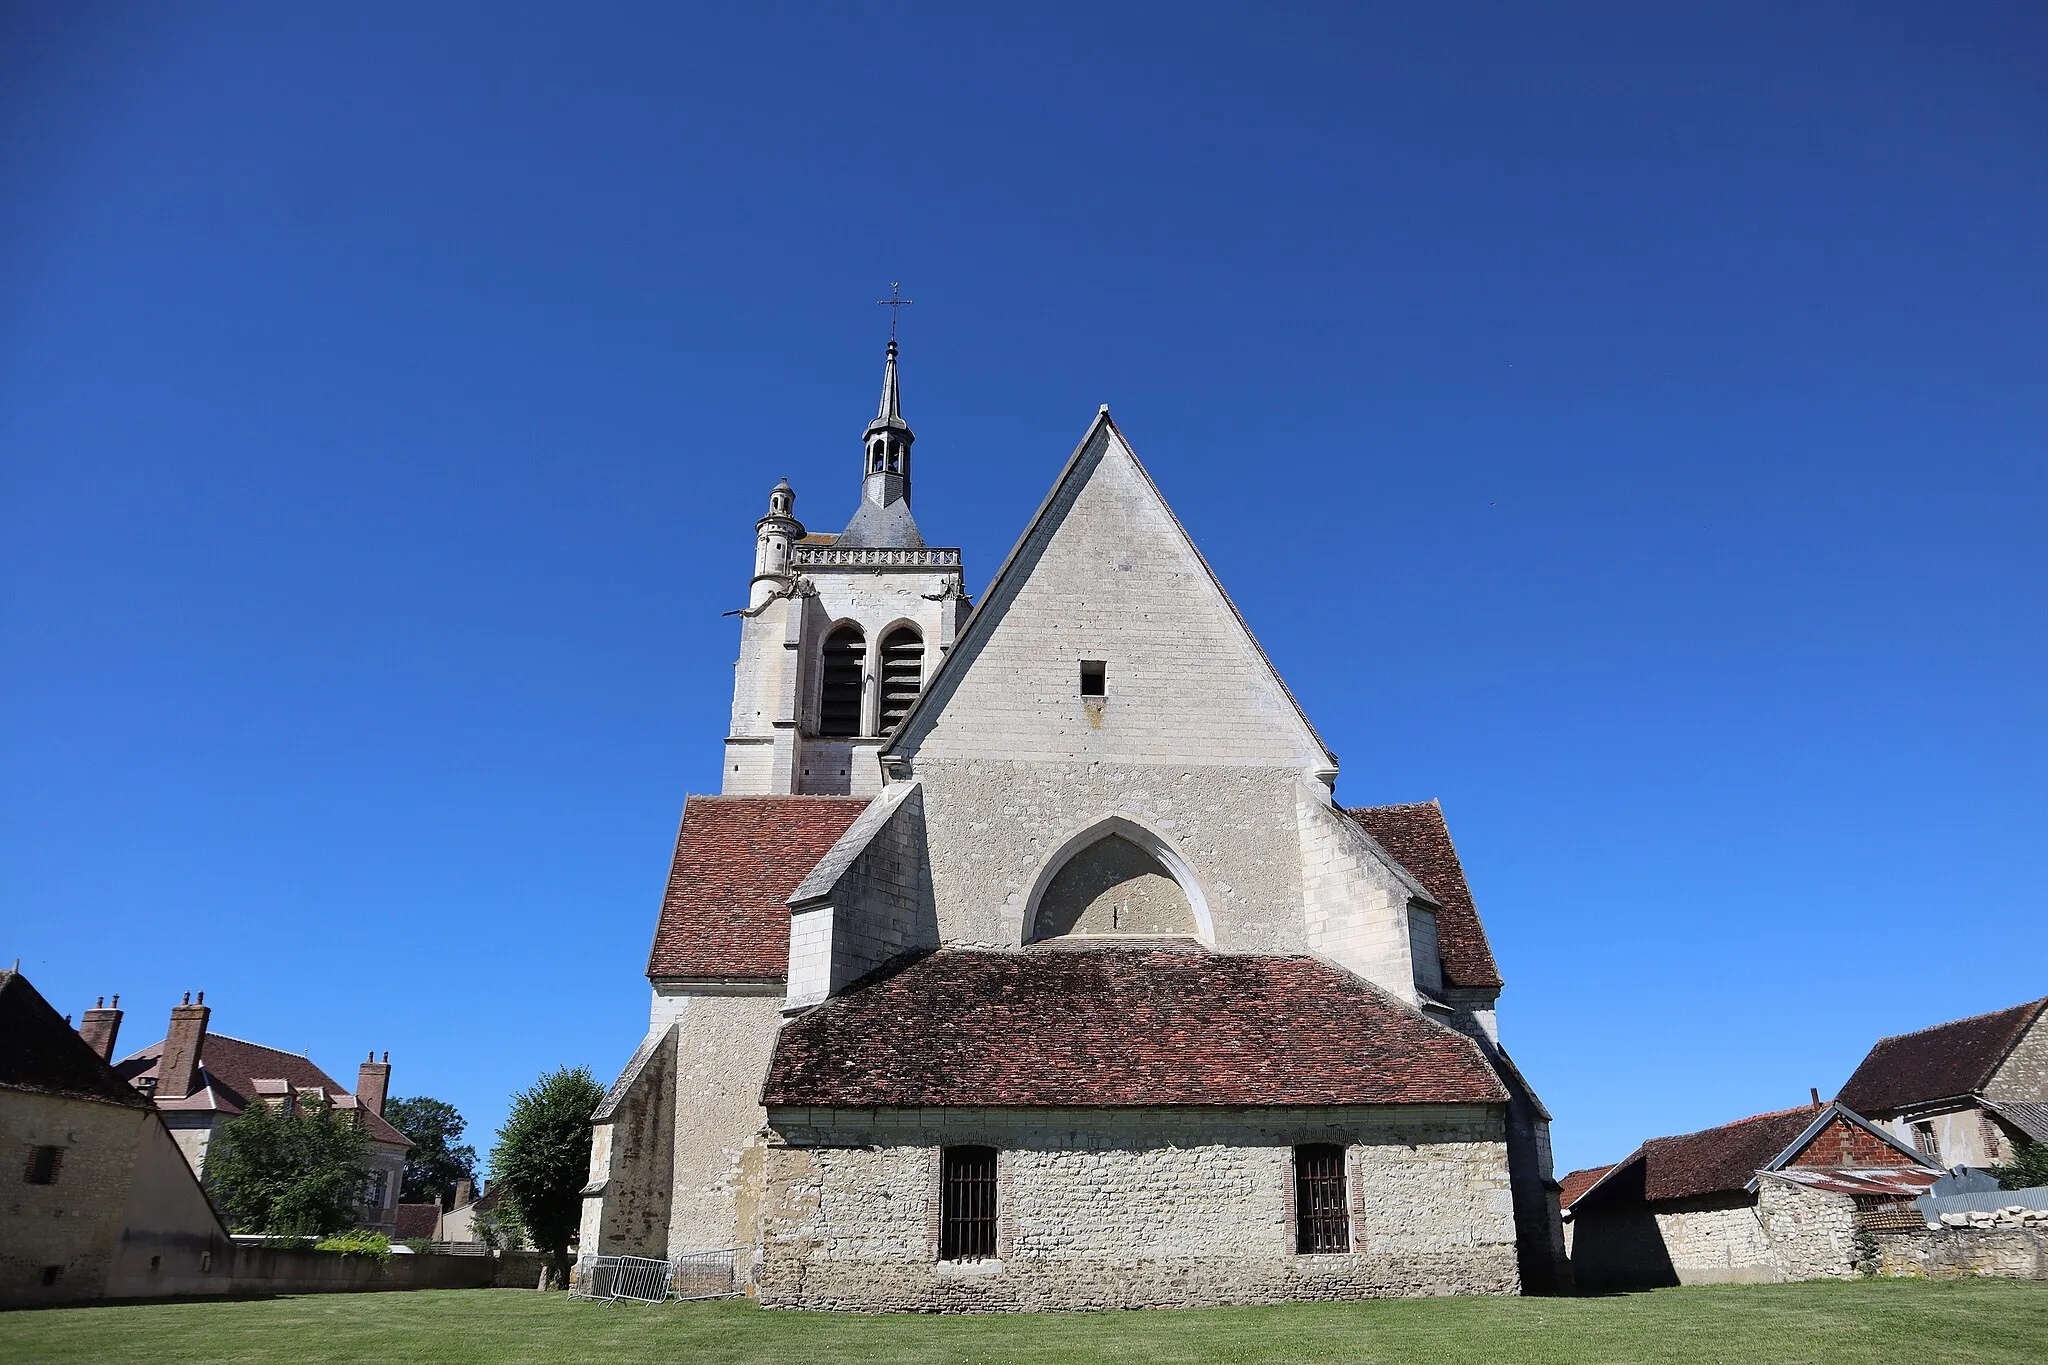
[(738, 859), (229, 1069), (1951, 1059), (39, 1052), (1115, 1026), (1420, 841)]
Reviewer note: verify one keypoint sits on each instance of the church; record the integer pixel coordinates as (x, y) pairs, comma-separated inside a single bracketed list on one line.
[(1027, 960)]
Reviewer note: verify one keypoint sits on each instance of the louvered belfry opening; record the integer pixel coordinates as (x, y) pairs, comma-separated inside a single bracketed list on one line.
[(967, 1203), (902, 675), (1322, 1221), (846, 653)]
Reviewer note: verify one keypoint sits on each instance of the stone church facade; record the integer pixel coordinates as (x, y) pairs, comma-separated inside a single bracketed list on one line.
[(1027, 960)]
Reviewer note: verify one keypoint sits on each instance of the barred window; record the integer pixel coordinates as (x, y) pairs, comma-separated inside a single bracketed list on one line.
[(967, 1203), (1322, 1220), (43, 1165)]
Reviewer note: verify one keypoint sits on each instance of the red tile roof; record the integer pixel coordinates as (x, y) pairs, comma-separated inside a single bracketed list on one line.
[(229, 1069), (1120, 1026), (1937, 1063), (1719, 1160), (1421, 842), (737, 860), (1578, 1182), (417, 1220)]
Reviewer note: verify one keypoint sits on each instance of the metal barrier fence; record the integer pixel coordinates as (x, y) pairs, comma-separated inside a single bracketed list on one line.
[(697, 1275), (707, 1274)]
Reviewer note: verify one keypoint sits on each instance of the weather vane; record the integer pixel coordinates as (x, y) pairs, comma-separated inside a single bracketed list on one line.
[(894, 302)]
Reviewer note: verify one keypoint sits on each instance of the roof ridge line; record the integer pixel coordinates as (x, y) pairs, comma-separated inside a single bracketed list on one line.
[(1966, 1019)]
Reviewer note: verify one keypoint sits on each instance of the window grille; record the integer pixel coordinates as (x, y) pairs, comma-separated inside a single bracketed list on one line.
[(43, 1165), (967, 1203), (1322, 1219), (902, 675), (839, 703)]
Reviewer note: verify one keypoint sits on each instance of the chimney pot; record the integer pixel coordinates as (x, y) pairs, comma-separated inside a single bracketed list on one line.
[(178, 1068), (1814, 1091), (373, 1084), (100, 1026)]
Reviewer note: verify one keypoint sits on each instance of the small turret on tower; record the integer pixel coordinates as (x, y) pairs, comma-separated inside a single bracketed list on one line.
[(884, 518), (773, 535)]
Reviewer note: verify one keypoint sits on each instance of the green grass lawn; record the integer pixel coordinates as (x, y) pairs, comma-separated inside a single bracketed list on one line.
[(1955, 1323)]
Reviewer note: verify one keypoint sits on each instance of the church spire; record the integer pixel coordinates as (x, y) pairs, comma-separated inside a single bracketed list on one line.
[(884, 515), (892, 405)]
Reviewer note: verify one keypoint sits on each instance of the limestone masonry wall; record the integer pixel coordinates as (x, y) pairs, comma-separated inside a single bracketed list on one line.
[(1112, 1209), (2023, 1076), (992, 826), (722, 1047)]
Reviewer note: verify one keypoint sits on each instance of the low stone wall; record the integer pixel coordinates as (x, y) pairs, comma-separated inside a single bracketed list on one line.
[(1141, 1210), (246, 1271), (2017, 1253)]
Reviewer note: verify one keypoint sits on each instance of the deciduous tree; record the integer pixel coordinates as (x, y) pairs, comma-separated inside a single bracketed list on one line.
[(296, 1168), (436, 1160), (543, 1160)]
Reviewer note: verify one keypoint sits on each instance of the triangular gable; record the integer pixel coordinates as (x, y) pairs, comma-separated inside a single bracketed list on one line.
[(1861, 1133), (1104, 564)]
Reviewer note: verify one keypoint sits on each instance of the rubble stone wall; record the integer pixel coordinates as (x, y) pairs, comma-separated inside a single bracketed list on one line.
[(1147, 1208)]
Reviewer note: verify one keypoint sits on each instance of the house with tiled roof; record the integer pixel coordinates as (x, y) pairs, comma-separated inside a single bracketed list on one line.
[(200, 1080), (1767, 1198), (1027, 959), (1966, 1093)]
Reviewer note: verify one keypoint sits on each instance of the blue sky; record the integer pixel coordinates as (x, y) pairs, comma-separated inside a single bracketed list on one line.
[(1622, 423)]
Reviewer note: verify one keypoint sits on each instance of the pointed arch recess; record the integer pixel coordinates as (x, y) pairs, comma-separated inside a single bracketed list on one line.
[(1130, 831)]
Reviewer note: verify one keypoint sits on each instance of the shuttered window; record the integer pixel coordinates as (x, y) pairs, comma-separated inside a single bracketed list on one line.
[(1322, 1220), (846, 653), (902, 675), (967, 1203)]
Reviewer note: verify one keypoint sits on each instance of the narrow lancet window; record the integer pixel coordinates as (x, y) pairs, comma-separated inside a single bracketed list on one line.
[(967, 1203), (902, 675), (846, 653)]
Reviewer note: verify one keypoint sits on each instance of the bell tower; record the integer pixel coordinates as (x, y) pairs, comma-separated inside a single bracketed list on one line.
[(839, 632)]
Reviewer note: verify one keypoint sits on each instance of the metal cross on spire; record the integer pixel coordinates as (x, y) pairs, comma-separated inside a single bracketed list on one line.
[(894, 302)]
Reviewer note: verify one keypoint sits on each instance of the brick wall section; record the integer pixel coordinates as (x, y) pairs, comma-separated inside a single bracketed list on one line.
[(1842, 1145), (1134, 1208)]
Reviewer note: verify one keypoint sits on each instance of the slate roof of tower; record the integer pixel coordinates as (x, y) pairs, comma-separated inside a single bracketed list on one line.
[(1421, 842), (737, 860), (1956, 1058), (228, 1071), (1120, 1026), (39, 1052)]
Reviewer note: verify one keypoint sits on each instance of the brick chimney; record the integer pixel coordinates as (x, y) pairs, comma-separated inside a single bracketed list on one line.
[(177, 1071), (100, 1026), (465, 1194), (373, 1083)]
